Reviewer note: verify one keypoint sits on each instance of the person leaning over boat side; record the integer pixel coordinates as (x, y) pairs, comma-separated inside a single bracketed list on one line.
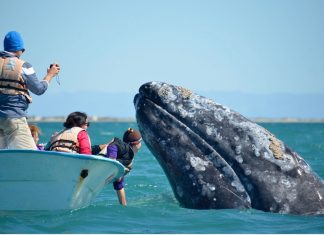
[(123, 151), (17, 78), (74, 137)]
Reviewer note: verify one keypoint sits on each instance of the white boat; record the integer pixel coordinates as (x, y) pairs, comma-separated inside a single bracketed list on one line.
[(42, 180)]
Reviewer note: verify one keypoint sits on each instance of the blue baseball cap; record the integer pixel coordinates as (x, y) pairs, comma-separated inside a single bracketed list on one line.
[(13, 42)]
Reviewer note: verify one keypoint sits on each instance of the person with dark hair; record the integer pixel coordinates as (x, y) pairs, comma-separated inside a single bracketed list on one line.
[(17, 78), (123, 151), (74, 137)]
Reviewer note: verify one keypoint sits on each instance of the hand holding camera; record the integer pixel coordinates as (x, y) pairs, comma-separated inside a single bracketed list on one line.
[(53, 71)]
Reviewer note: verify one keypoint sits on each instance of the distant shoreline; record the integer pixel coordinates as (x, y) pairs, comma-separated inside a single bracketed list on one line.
[(131, 119), (288, 120), (91, 119)]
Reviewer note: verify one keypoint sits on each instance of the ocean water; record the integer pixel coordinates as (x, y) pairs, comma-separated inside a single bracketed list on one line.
[(152, 207)]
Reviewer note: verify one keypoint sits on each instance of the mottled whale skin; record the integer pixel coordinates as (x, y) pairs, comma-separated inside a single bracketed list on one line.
[(216, 158)]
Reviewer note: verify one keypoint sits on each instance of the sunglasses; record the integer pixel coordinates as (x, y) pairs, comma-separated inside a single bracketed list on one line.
[(87, 124)]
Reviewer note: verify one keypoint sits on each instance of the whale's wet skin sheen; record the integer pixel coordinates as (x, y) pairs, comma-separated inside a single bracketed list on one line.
[(216, 158)]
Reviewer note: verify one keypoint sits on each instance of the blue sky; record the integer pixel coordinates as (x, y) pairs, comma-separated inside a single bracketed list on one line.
[(246, 54)]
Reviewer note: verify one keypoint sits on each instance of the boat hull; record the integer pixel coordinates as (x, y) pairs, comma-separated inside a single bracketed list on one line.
[(41, 180)]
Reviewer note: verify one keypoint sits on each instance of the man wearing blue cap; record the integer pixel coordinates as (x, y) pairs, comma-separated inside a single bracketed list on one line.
[(17, 78)]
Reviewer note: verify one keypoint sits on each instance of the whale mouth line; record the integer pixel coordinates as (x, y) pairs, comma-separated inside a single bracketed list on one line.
[(217, 160), (182, 124), (161, 109)]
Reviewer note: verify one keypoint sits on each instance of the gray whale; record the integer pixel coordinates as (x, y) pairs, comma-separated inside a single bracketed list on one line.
[(215, 158)]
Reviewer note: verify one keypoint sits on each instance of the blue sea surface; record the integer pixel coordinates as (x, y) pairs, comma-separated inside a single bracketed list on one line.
[(152, 207)]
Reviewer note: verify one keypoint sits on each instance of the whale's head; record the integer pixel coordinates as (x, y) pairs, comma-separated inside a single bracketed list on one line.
[(190, 163), (216, 158)]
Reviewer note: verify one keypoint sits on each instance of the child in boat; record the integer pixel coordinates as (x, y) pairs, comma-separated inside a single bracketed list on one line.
[(36, 131)]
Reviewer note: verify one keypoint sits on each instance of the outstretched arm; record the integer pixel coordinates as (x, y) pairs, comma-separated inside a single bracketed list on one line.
[(122, 196), (119, 187)]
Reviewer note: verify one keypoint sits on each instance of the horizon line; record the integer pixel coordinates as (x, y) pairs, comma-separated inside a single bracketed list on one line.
[(94, 118)]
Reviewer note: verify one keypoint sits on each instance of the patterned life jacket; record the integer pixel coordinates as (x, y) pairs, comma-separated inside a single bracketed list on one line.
[(66, 141), (125, 153), (11, 81)]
